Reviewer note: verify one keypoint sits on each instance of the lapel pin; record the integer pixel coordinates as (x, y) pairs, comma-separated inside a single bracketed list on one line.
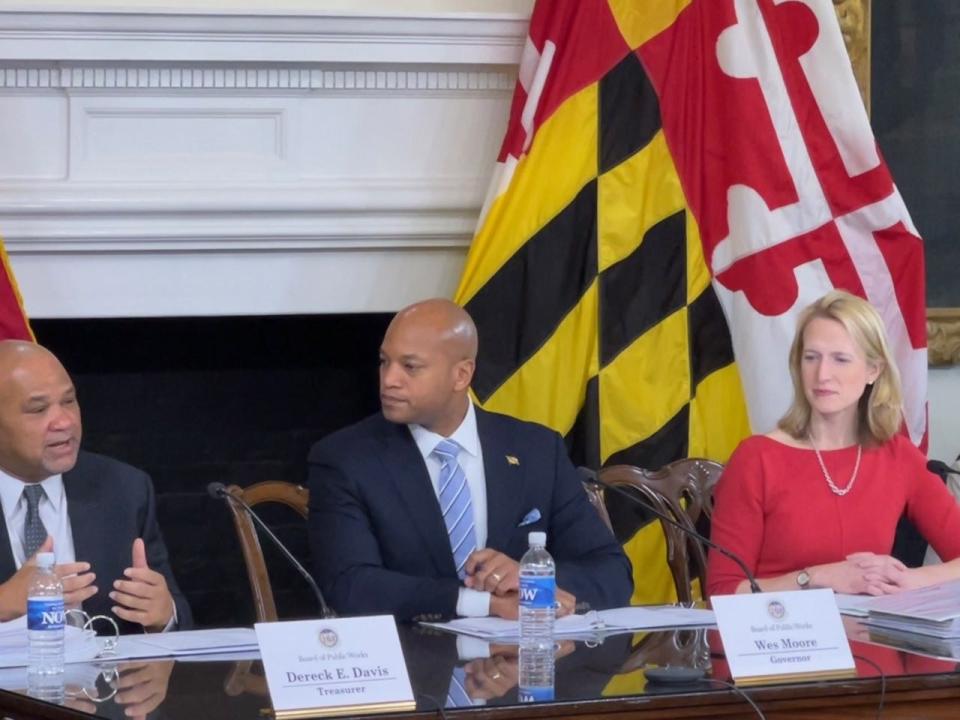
[(512, 460)]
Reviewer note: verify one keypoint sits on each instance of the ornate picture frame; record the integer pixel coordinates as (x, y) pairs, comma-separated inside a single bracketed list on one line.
[(943, 324)]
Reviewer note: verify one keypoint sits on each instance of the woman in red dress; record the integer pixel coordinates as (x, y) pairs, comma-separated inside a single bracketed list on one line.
[(815, 503)]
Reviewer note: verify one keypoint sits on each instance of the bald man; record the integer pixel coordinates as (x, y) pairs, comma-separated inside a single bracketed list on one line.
[(97, 515), (423, 510)]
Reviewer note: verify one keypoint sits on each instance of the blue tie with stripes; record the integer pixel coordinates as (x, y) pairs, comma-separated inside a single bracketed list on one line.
[(455, 504), (457, 695)]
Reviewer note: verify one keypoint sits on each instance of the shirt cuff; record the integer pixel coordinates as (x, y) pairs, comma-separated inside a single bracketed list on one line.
[(473, 603), (173, 623), (471, 648)]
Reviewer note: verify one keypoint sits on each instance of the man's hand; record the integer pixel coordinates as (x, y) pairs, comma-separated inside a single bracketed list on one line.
[(76, 584), (76, 578), (491, 677), (491, 570), (143, 598), (505, 606), (143, 686), (13, 593), (508, 606)]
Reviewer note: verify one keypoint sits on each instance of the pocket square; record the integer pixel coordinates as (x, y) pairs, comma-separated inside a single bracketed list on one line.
[(530, 518)]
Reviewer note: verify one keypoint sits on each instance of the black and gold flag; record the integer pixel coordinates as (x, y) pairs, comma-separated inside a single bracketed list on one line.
[(586, 276)]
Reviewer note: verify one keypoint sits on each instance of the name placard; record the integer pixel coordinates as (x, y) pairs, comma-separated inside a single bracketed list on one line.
[(783, 636), (342, 666)]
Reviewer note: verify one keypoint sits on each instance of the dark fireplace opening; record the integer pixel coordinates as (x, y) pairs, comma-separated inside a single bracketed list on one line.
[(235, 400)]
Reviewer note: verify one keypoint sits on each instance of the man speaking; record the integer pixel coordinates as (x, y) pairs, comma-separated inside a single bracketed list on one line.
[(96, 514), (423, 510)]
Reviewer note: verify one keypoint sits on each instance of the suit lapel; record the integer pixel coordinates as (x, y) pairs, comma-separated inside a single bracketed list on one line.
[(504, 475), (408, 472), (87, 521)]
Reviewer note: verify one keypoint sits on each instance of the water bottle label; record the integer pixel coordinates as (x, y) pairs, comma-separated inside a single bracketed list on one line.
[(45, 613), (536, 694), (537, 593)]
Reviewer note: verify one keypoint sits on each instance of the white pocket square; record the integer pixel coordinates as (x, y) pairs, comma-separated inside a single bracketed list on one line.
[(530, 518)]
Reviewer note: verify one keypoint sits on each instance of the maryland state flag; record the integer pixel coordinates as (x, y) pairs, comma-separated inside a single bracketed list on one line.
[(674, 170)]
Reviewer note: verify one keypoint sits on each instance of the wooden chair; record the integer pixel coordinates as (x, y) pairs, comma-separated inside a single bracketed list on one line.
[(682, 490), (595, 496), (293, 496)]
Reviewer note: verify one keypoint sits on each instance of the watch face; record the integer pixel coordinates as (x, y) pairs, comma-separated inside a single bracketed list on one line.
[(803, 578)]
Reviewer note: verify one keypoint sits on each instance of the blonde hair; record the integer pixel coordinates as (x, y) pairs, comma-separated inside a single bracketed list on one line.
[(881, 406)]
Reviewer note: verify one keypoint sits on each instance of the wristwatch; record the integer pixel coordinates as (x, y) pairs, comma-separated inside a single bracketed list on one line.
[(803, 579)]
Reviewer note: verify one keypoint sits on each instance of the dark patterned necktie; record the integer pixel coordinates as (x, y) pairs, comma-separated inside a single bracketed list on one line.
[(34, 533)]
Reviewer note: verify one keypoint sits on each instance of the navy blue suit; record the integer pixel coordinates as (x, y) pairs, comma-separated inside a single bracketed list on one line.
[(110, 505), (377, 536)]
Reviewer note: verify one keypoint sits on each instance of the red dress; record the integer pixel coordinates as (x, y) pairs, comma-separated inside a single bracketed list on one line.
[(773, 508)]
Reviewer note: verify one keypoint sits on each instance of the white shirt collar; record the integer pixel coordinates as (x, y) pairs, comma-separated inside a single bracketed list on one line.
[(465, 435), (11, 490)]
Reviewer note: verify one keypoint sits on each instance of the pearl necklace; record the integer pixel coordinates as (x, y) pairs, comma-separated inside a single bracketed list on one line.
[(823, 467)]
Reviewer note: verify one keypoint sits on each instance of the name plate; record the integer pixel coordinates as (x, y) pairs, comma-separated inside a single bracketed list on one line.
[(342, 666), (783, 636)]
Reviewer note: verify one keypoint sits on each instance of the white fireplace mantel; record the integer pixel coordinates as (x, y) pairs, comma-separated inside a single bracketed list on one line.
[(235, 161)]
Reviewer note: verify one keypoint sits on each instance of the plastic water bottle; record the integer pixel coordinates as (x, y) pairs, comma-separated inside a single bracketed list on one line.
[(45, 620), (538, 590)]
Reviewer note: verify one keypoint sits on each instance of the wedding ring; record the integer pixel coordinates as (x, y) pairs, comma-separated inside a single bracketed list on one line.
[(496, 576), (496, 675)]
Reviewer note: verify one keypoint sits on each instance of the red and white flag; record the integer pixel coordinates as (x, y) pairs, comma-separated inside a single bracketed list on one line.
[(781, 169)]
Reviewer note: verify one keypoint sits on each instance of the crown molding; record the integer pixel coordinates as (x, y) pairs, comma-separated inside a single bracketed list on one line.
[(263, 36)]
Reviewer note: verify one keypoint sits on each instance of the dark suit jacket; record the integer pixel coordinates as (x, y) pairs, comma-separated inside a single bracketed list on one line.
[(110, 505), (377, 535)]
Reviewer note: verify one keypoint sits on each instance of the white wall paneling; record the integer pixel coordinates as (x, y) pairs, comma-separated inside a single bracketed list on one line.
[(202, 163)]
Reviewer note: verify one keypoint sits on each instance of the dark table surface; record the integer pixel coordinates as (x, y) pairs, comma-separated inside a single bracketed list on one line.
[(592, 680)]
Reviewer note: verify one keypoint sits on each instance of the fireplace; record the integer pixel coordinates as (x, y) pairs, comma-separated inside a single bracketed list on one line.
[(235, 400)]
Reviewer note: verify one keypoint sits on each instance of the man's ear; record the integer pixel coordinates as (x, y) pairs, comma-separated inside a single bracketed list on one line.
[(463, 374)]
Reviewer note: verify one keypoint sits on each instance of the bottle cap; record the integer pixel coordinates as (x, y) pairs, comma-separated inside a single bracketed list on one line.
[(537, 537), (46, 559)]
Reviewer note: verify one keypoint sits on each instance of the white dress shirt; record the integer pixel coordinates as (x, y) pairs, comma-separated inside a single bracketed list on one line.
[(470, 603), (53, 514)]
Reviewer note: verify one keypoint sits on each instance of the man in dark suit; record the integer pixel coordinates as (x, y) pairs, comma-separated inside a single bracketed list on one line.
[(96, 514), (423, 510)]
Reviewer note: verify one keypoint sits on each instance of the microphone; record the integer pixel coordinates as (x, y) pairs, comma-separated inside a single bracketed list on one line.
[(219, 490), (637, 498), (939, 467)]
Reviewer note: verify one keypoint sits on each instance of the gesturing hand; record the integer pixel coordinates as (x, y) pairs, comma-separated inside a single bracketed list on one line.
[(144, 597)]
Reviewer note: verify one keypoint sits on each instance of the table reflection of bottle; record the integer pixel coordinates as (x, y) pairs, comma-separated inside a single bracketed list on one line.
[(537, 672), (47, 687)]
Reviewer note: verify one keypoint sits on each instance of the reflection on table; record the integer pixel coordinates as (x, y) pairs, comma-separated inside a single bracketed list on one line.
[(455, 673)]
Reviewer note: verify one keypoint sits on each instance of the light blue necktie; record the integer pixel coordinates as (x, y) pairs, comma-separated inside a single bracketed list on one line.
[(455, 504), (457, 695)]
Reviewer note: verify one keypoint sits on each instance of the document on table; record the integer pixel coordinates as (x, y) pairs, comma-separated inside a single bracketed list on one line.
[(588, 625), (186, 642), (932, 610), (78, 645), (855, 605), (84, 646)]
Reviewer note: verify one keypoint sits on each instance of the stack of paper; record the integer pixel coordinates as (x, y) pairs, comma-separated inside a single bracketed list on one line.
[(84, 645), (221, 641), (589, 625), (933, 610), (78, 645), (855, 605)]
